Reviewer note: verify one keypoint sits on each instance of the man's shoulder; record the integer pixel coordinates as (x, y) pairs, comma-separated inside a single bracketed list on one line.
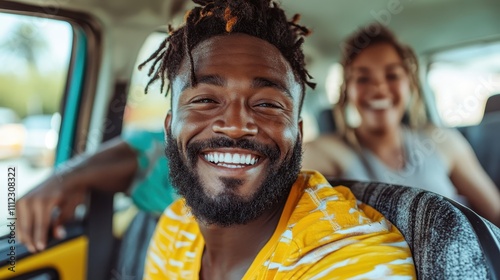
[(332, 209), (176, 214), (329, 230), (312, 183)]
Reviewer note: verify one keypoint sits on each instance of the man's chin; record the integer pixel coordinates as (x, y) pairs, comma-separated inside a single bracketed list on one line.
[(225, 202), (240, 199), (243, 189)]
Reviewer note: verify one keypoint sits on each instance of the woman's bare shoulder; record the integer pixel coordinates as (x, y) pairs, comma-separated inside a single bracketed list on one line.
[(444, 137), (327, 141), (449, 142), (331, 146), (328, 154)]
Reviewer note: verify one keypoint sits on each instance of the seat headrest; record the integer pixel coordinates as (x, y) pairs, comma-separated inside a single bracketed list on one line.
[(492, 104)]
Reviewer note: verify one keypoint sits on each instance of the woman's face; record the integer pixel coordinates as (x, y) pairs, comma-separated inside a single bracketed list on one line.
[(379, 87)]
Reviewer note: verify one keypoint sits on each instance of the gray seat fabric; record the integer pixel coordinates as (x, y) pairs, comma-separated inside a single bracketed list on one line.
[(448, 240), (484, 139), (326, 123), (134, 246), (492, 104)]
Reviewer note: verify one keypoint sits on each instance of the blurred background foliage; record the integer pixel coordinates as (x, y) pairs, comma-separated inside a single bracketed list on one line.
[(28, 84), (31, 93)]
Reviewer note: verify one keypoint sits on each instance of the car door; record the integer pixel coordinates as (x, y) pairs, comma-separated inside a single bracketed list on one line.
[(52, 57)]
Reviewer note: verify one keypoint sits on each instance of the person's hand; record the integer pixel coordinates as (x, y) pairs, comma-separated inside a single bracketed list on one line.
[(50, 204), (53, 202)]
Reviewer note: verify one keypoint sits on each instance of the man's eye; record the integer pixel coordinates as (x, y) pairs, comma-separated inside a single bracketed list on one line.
[(268, 105), (204, 100)]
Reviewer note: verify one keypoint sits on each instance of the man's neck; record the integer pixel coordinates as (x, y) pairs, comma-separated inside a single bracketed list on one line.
[(229, 251)]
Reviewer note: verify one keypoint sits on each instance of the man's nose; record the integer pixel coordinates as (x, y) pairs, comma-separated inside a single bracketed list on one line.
[(236, 122)]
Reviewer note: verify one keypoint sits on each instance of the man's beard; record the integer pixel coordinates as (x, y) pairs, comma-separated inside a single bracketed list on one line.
[(228, 209)]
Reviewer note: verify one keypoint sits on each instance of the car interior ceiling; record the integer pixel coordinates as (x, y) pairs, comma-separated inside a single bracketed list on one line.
[(135, 19)]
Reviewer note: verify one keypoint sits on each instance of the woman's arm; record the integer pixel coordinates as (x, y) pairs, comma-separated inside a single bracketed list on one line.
[(323, 155), (469, 177)]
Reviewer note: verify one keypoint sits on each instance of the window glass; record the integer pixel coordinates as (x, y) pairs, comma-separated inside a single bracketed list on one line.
[(462, 80), (34, 54)]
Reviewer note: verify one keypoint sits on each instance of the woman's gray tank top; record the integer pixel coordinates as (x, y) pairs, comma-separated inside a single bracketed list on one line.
[(424, 167)]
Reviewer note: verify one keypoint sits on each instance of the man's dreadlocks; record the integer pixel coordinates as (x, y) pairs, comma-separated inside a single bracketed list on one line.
[(263, 19)]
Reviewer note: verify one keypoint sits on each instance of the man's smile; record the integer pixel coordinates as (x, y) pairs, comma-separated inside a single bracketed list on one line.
[(232, 158)]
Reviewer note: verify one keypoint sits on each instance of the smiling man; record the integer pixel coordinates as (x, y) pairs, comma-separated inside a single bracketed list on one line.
[(237, 80)]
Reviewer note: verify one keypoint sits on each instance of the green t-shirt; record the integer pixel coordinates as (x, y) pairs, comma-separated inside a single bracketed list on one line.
[(151, 190)]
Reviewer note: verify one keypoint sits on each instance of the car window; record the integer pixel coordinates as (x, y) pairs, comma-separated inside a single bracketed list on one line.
[(462, 79), (35, 54)]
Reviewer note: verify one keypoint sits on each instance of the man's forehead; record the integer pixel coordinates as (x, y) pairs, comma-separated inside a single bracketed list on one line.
[(234, 39), (239, 44), (223, 51)]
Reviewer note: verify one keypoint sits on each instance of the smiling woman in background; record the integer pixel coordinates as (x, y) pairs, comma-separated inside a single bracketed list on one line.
[(384, 135)]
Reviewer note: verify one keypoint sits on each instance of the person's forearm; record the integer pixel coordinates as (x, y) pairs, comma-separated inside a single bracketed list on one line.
[(110, 169)]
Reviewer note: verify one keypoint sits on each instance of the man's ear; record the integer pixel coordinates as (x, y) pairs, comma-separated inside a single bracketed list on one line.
[(168, 121)]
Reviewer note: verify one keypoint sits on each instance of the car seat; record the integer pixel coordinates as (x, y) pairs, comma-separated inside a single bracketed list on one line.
[(483, 139), (447, 239), (492, 104)]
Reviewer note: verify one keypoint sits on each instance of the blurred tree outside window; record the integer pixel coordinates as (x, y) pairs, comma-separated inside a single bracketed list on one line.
[(34, 61)]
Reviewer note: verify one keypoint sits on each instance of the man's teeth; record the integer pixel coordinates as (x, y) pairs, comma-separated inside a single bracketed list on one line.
[(380, 104), (231, 158)]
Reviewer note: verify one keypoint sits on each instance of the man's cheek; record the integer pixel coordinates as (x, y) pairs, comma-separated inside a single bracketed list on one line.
[(176, 128)]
